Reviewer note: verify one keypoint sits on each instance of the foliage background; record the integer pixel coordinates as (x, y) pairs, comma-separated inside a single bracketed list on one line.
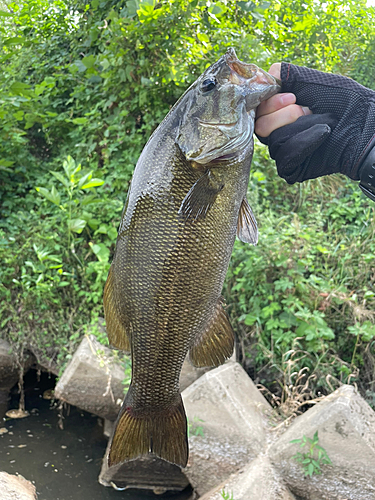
[(82, 87)]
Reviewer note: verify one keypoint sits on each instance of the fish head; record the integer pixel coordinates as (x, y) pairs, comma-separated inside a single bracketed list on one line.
[(219, 112)]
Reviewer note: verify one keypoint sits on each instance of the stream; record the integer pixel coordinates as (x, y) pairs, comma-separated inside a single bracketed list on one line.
[(64, 464)]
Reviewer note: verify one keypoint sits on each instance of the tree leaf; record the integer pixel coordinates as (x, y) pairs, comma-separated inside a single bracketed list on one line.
[(101, 251), (93, 183), (79, 121), (52, 195), (83, 180), (89, 61), (15, 40), (77, 225), (61, 178)]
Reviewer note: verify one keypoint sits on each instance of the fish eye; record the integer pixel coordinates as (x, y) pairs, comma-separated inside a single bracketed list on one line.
[(208, 84)]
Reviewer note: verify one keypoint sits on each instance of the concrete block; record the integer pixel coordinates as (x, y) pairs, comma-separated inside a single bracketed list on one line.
[(108, 428), (346, 429), (256, 481), (93, 380), (16, 488), (8, 366), (189, 374), (227, 425)]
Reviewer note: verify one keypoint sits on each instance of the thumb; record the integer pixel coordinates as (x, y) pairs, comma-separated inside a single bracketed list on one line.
[(291, 154)]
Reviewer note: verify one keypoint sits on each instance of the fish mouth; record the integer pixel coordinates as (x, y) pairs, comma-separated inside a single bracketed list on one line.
[(214, 124), (249, 74)]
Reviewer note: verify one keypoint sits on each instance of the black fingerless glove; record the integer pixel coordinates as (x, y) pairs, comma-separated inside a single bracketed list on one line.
[(336, 138)]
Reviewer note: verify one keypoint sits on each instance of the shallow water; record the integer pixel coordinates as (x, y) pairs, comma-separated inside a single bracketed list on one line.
[(63, 464)]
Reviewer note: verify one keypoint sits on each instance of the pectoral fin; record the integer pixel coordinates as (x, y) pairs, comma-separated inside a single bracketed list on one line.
[(247, 229), (216, 343), (200, 197), (117, 324)]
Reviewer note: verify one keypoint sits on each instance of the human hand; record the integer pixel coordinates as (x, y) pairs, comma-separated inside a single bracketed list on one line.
[(278, 110), (336, 138)]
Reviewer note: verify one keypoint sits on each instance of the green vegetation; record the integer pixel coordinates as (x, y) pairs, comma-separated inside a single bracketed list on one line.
[(314, 458), (194, 429), (82, 87), (226, 496)]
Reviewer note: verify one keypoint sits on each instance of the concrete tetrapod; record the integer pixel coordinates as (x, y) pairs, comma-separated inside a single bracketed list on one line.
[(346, 430), (92, 380), (227, 423), (256, 481)]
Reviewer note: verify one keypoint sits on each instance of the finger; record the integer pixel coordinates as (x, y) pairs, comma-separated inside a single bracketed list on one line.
[(275, 70), (266, 124), (294, 151), (274, 103), (304, 123)]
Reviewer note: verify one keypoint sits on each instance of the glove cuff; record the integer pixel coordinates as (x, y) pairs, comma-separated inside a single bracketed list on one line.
[(366, 170)]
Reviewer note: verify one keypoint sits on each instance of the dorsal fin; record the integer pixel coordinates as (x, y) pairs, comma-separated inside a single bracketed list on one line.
[(117, 324)]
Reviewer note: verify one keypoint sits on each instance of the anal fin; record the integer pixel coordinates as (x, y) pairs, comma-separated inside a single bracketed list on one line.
[(216, 343), (247, 229), (117, 324)]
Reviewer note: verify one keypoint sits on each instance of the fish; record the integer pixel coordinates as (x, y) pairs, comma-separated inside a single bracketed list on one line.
[(162, 298)]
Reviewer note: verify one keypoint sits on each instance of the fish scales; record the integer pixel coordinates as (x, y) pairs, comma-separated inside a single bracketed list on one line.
[(163, 294)]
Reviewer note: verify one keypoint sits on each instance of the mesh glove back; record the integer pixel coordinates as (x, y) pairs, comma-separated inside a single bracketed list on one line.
[(335, 138)]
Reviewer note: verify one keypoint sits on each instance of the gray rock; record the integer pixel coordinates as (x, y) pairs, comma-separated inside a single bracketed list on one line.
[(346, 429), (189, 374), (227, 425), (8, 366), (93, 380), (16, 488), (258, 481), (9, 374), (108, 428)]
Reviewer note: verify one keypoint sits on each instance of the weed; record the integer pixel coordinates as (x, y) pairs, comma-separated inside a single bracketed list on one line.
[(194, 429), (227, 496), (314, 458)]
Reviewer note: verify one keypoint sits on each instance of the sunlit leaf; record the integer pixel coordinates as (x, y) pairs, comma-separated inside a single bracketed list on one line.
[(61, 178), (52, 195), (77, 225), (93, 183), (80, 121)]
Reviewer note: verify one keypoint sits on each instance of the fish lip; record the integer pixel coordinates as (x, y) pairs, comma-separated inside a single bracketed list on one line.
[(243, 70), (251, 73), (214, 124)]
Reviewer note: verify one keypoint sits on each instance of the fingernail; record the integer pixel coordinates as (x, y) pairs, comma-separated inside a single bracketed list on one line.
[(287, 99), (306, 110)]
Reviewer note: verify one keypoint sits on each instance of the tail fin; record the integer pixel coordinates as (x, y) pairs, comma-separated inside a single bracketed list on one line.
[(138, 434)]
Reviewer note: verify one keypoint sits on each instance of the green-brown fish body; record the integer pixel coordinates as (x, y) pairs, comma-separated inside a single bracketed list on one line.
[(163, 294)]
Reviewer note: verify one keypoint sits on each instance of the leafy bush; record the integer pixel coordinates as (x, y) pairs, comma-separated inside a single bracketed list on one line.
[(304, 297), (53, 274)]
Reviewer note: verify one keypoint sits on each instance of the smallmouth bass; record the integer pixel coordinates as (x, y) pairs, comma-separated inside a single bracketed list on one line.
[(162, 298)]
